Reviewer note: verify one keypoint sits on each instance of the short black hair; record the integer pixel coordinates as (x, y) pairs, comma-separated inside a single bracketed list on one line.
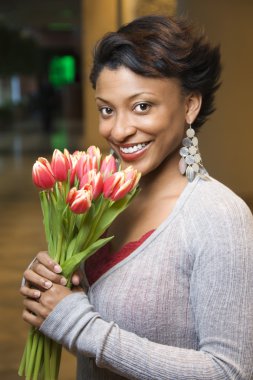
[(160, 46)]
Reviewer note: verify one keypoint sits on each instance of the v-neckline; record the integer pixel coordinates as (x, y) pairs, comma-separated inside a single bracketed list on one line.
[(178, 205)]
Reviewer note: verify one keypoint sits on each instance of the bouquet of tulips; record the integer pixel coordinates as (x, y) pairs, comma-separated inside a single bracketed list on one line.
[(81, 194)]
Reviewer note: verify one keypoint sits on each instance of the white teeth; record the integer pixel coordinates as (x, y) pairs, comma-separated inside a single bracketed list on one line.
[(134, 148)]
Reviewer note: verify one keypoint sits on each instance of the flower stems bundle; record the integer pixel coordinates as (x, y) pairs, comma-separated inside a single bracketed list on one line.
[(80, 196)]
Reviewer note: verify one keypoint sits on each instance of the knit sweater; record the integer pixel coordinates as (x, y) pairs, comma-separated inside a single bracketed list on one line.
[(179, 307)]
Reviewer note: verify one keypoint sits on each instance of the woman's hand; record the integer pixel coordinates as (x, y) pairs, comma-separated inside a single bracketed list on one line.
[(36, 311), (44, 288), (41, 275)]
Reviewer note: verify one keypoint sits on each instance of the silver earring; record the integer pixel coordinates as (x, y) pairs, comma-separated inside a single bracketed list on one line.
[(190, 163)]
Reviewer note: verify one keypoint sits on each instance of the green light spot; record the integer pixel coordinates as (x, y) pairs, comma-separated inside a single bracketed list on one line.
[(62, 70), (59, 140)]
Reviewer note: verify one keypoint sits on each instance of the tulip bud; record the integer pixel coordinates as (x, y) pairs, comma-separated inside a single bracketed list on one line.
[(42, 174), (60, 165), (71, 195), (95, 155), (95, 180), (133, 175), (120, 183), (108, 166), (72, 160), (111, 183), (79, 200), (81, 165)]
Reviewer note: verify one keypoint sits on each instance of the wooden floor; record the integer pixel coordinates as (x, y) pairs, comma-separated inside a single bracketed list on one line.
[(21, 236)]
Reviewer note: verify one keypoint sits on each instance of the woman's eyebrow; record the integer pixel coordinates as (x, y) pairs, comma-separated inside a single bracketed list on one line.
[(130, 97)]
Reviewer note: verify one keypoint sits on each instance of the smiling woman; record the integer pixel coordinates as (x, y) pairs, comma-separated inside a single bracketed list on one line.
[(171, 296), (142, 118)]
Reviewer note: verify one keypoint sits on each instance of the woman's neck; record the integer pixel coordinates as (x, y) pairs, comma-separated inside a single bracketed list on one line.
[(165, 181)]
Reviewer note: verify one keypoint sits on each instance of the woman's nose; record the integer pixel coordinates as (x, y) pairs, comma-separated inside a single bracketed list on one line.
[(122, 129)]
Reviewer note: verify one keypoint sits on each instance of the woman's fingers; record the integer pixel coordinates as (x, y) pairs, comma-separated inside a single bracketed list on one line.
[(33, 313), (33, 279), (77, 277), (44, 258), (32, 319), (36, 280), (30, 293), (36, 311), (44, 272)]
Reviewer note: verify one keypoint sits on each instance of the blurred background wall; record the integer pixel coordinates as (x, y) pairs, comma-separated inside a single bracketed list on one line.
[(46, 102)]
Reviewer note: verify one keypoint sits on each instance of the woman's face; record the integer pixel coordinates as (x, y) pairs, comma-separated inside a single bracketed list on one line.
[(142, 118)]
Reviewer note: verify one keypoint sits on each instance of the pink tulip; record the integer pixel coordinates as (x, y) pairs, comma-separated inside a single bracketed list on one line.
[(120, 183), (132, 175), (60, 165), (83, 165), (77, 154), (72, 160), (95, 155), (79, 200), (111, 183), (108, 166), (42, 174), (95, 180)]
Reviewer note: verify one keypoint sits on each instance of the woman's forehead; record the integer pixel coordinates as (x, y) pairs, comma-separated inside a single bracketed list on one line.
[(124, 80)]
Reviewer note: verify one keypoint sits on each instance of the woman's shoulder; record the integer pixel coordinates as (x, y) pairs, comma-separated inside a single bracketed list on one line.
[(214, 214), (214, 199), (215, 189)]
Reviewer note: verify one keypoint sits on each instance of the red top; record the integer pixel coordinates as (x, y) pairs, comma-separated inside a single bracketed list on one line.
[(101, 261)]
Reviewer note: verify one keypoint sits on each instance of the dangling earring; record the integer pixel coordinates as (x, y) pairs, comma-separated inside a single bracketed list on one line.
[(190, 163)]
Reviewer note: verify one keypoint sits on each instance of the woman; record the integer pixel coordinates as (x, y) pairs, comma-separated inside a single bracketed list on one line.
[(178, 302)]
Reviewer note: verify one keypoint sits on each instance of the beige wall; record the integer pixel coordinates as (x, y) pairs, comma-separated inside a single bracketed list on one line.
[(99, 17), (226, 140)]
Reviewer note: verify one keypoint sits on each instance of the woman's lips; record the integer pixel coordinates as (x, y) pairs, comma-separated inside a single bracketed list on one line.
[(132, 152)]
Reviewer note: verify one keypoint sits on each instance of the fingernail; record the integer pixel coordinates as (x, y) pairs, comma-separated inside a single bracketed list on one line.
[(47, 284), (36, 293), (63, 281), (57, 268)]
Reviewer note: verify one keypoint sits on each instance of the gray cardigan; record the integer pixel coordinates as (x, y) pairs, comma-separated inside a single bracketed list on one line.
[(179, 307)]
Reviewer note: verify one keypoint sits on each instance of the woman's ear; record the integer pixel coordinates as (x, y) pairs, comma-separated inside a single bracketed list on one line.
[(193, 105)]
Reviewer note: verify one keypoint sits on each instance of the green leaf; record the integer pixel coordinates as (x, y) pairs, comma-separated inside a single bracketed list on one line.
[(71, 264), (110, 214)]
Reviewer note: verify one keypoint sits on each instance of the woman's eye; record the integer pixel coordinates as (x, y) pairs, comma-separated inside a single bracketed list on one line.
[(142, 107), (105, 111)]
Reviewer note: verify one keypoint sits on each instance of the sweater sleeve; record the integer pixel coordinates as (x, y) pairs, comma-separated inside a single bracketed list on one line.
[(222, 299)]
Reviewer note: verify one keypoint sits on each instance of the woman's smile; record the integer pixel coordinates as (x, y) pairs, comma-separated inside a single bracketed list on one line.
[(132, 152)]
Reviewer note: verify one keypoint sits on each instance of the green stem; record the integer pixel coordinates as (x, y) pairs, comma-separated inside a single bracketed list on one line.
[(94, 225), (29, 373), (38, 358), (75, 243), (59, 248), (59, 351), (70, 218), (47, 349), (29, 347), (55, 360), (23, 362)]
